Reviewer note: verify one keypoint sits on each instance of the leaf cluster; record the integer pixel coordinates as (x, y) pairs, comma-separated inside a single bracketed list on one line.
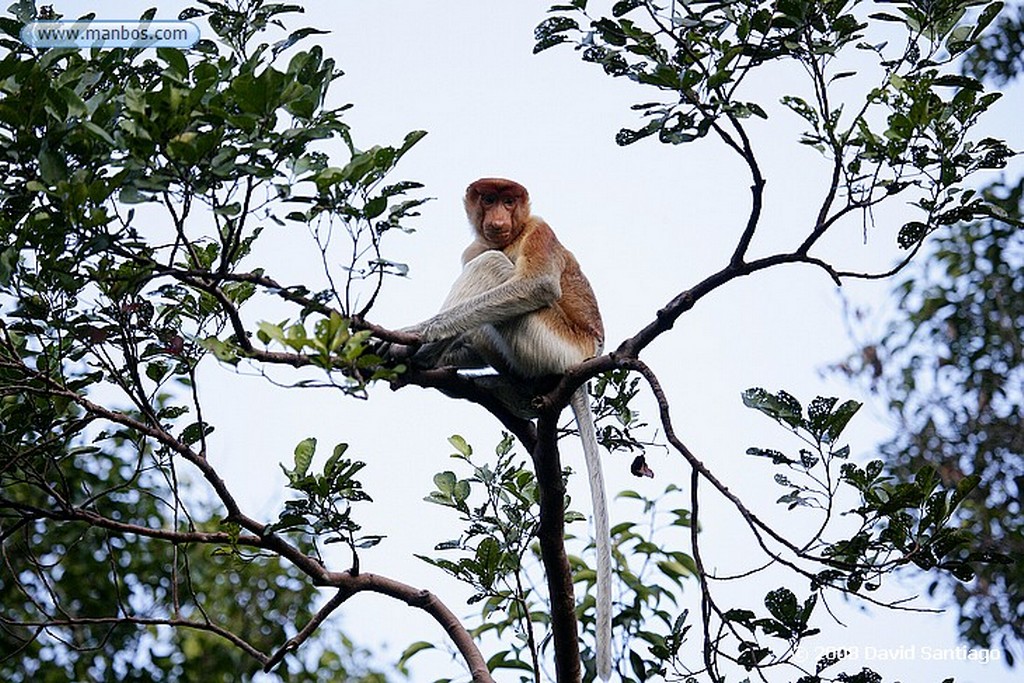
[(499, 528), (611, 396), (652, 572), (901, 522), (323, 509), (497, 504), (788, 620), (333, 345)]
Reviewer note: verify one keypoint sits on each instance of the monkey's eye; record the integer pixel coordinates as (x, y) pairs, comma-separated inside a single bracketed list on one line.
[(509, 202), (489, 199)]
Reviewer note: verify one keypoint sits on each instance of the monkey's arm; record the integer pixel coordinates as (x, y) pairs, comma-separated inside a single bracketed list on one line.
[(510, 299)]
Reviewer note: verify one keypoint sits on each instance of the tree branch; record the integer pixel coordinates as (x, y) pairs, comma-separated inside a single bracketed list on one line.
[(551, 535), (350, 584)]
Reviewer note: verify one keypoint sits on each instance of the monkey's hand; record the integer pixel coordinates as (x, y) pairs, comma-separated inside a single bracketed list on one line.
[(393, 352), (400, 348)]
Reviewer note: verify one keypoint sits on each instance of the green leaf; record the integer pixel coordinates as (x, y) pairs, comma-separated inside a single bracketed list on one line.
[(195, 432), (839, 419), (304, 455), (99, 132), (988, 14), (156, 371), (175, 60), (781, 406), (411, 139), (553, 25), (674, 571), (818, 412), (625, 6), (51, 166), (267, 332), (445, 482), (375, 207), (782, 604), (334, 462), (460, 445), (957, 81), (739, 615), (964, 487), (501, 661), (223, 351), (548, 42), (488, 554), (412, 650), (912, 233), (461, 491), (777, 457)]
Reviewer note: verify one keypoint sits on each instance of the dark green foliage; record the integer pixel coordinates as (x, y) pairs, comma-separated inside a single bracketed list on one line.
[(102, 575), (951, 369), (910, 129), (1000, 55), (913, 521), (611, 396), (114, 287)]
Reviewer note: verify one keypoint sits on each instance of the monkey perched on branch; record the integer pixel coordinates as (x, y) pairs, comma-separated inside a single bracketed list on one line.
[(523, 306)]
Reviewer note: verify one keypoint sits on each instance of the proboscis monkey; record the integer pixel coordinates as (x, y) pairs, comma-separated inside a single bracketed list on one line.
[(522, 306)]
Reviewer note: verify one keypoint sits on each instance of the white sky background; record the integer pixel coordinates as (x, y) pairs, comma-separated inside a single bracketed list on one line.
[(646, 222)]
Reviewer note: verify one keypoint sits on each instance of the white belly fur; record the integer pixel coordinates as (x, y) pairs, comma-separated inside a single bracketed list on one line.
[(532, 350)]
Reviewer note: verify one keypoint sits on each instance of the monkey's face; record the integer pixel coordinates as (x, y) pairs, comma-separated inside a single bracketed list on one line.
[(498, 220), (498, 209)]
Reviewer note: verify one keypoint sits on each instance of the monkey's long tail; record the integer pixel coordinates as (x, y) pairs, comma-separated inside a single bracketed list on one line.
[(602, 533)]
